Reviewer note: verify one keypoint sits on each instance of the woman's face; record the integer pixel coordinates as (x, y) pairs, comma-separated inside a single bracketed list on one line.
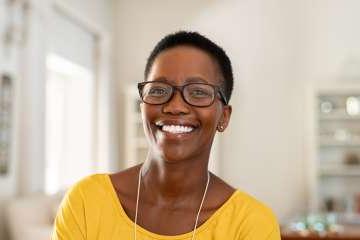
[(178, 66)]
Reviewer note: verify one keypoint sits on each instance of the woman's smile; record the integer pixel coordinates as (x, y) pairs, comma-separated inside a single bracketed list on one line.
[(176, 126), (177, 129)]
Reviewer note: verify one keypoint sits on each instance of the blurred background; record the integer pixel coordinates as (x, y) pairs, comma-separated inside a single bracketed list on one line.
[(69, 106)]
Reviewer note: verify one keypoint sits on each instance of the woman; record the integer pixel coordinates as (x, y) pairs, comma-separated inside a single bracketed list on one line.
[(172, 195)]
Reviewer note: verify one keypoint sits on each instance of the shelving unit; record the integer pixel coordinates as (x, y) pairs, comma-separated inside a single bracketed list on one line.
[(340, 171), (136, 146), (338, 117), (333, 144)]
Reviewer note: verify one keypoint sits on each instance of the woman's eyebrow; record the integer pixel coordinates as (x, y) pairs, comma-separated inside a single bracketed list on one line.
[(160, 79), (195, 80), (187, 80)]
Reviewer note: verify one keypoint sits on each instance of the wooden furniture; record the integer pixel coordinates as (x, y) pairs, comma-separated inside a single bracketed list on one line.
[(295, 237), (350, 232), (317, 238)]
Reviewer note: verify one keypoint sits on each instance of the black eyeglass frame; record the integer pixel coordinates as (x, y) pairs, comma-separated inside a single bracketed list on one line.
[(217, 89)]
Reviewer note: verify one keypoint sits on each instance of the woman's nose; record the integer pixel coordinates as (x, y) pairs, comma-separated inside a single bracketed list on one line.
[(176, 105)]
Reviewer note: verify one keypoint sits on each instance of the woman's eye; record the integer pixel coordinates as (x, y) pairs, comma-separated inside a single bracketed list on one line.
[(157, 92), (200, 93)]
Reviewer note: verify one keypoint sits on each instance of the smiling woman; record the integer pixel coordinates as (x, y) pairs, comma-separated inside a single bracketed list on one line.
[(172, 195)]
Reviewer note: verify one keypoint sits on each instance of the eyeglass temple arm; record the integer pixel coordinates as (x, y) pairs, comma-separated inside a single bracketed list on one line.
[(222, 95)]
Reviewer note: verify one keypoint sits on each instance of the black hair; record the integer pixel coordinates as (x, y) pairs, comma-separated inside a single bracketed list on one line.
[(197, 40)]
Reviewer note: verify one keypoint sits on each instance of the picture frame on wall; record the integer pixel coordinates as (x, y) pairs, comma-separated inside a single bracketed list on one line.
[(6, 92)]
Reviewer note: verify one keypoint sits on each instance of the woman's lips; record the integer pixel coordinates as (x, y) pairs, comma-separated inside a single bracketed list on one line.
[(176, 129)]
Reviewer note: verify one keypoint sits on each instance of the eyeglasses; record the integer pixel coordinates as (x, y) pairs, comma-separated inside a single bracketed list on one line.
[(195, 94)]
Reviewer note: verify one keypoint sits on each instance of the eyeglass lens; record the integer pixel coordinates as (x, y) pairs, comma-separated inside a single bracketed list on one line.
[(197, 94)]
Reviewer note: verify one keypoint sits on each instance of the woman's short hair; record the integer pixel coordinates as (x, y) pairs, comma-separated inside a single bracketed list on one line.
[(196, 40)]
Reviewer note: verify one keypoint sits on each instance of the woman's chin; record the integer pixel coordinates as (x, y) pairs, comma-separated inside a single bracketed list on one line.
[(174, 154)]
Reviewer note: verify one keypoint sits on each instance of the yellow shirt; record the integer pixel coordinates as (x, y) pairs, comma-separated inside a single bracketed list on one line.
[(91, 210)]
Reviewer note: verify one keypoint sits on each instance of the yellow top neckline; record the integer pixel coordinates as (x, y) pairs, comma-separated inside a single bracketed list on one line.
[(199, 229)]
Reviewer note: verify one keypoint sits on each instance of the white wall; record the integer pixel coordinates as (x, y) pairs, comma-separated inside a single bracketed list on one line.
[(27, 170), (276, 47), (332, 41), (96, 11)]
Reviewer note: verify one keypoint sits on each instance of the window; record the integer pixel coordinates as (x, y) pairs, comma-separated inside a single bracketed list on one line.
[(70, 148), (70, 111)]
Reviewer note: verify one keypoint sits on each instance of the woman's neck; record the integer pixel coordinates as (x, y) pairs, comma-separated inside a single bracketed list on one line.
[(166, 182)]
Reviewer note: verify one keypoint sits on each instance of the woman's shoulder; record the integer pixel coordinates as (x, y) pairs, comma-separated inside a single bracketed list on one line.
[(92, 181), (241, 205), (250, 205), (250, 214), (98, 185), (88, 188), (254, 216)]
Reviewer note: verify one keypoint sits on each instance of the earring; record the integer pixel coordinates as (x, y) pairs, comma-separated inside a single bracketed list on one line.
[(220, 128)]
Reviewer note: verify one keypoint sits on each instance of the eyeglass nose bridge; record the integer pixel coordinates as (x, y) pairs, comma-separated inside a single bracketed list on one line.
[(181, 91)]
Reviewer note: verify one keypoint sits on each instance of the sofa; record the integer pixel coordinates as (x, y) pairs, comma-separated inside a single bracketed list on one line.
[(32, 217)]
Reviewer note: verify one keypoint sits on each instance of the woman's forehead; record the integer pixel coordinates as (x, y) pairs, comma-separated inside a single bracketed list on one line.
[(185, 63)]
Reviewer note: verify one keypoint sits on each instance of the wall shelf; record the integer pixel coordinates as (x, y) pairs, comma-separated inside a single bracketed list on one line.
[(340, 171), (338, 117), (334, 143)]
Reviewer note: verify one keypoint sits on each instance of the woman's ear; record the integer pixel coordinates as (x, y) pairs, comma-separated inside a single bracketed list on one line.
[(225, 118)]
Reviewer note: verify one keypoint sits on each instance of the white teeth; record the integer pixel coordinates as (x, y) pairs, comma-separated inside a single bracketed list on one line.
[(177, 129)]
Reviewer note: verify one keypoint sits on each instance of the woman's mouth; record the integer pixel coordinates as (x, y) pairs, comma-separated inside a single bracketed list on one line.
[(176, 129)]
